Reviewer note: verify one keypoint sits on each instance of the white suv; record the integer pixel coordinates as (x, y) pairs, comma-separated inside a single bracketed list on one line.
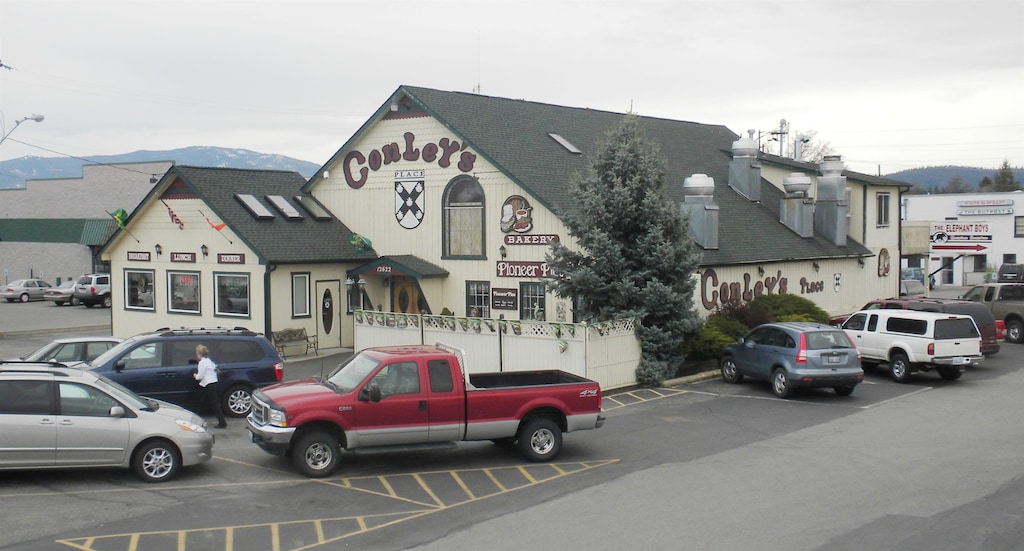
[(93, 289), (911, 341)]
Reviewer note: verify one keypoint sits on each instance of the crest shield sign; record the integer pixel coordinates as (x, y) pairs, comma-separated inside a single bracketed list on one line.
[(409, 198)]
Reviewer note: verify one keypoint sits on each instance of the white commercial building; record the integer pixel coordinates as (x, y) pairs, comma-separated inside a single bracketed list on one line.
[(969, 235)]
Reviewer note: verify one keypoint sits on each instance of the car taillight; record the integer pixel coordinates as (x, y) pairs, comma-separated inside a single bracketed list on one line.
[(801, 353), (279, 371), (931, 349), (92, 290), (1000, 330)]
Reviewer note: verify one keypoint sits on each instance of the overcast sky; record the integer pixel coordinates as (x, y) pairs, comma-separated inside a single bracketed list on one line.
[(889, 84)]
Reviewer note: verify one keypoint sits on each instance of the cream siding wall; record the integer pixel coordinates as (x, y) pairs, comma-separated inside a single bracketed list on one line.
[(369, 211), (796, 278), (152, 225)]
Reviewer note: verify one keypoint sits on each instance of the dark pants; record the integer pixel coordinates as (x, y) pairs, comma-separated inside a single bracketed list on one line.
[(210, 400)]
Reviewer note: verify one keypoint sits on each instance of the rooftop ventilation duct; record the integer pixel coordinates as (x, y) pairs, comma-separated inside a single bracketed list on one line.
[(796, 209), (698, 205), (831, 208), (744, 170)]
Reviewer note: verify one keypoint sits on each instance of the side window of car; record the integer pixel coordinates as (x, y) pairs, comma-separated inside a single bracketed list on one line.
[(83, 400), (440, 374), (66, 353), (873, 322), (27, 397), (989, 293), (398, 378), (182, 351), (856, 322), (145, 355), (758, 336)]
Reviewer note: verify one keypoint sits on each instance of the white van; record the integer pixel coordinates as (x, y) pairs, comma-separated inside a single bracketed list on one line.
[(912, 341)]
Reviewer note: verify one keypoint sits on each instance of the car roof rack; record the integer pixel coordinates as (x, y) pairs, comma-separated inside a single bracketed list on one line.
[(169, 331), (20, 366)]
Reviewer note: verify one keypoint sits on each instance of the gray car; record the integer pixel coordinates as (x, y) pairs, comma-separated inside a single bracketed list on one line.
[(24, 290), (60, 417), (72, 350), (794, 355)]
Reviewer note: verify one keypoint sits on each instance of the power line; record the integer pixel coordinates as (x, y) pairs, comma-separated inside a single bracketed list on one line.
[(111, 165)]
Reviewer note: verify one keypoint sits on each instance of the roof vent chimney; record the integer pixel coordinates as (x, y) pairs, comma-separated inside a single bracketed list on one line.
[(744, 170), (699, 209), (830, 211), (796, 209)]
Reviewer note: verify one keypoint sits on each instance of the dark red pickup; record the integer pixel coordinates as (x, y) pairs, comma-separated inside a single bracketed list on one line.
[(417, 397)]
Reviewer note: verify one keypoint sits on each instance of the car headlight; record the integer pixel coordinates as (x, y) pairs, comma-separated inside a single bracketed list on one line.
[(190, 426), (277, 418)]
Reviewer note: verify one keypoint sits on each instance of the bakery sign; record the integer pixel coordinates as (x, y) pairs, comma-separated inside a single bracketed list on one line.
[(984, 207)]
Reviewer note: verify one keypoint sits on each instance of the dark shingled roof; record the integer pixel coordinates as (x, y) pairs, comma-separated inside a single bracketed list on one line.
[(513, 135), (407, 264), (278, 240)]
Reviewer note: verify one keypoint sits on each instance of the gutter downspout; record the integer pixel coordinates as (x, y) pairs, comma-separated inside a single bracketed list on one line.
[(271, 266)]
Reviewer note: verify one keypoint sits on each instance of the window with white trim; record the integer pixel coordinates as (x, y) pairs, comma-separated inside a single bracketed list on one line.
[(138, 289), (463, 223), (882, 210), (531, 301), (183, 292), (478, 299)]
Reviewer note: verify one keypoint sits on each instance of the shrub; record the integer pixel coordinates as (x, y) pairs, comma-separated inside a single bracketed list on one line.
[(788, 307), (718, 331)]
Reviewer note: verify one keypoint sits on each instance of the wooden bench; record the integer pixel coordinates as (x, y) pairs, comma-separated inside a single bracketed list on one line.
[(294, 337)]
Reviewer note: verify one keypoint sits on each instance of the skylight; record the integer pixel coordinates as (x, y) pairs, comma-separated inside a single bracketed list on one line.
[(565, 143), (284, 207), (312, 207), (253, 205)]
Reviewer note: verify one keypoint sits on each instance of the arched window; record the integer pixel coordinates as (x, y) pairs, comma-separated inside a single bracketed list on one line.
[(463, 225)]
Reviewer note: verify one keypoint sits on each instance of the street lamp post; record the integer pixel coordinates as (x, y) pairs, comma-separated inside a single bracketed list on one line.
[(34, 117)]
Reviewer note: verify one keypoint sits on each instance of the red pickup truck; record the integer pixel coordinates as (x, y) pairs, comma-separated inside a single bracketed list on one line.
[(415, 398)]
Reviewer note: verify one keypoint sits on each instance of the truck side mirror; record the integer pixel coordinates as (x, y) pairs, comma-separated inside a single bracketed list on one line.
[(119, 366), (370, 392)]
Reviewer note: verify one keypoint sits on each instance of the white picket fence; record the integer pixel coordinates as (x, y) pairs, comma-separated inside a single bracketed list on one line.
[(607, 352)]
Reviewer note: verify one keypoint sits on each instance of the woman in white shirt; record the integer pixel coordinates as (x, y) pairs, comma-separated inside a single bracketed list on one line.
[(206, 374)]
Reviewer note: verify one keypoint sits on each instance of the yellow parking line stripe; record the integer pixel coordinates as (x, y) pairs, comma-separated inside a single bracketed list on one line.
[(458, 480)]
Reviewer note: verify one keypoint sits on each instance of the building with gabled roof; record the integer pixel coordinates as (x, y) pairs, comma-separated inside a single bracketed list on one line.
[(475, 184), (230, 247)]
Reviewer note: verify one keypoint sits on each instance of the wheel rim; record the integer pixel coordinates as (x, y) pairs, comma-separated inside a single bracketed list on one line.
[(157, 463), (1013, 333), (318, 456), (24, 298), (542, 441), (239, 402), (899, 369), (780, 382), (729, 369)]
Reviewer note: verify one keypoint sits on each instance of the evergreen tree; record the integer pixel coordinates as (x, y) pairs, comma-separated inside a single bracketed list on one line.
[(985, 185), (1005, 180), (637, 258)]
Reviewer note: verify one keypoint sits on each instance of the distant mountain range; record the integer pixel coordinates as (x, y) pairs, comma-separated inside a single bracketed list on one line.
[(936, 177), (14, 172)]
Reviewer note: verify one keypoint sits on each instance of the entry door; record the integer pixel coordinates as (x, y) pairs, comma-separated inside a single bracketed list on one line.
[(329, 311), (405, 296)]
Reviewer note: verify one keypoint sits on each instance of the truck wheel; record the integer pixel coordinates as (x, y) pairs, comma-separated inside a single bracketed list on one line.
[(899, 368), (317, 454), (106, 301), (156, 461), (780, 384), (237, 401), (540, 439), (1015, 331), (950, 373), (730, 373)]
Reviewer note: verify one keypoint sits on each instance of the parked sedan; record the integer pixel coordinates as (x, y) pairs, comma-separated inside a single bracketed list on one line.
[(73, 350), (794, 355), (24, 290), (62, 294)]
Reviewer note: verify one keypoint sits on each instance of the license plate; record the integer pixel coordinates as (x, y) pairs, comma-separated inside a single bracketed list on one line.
[(960, 360), (835, 359)]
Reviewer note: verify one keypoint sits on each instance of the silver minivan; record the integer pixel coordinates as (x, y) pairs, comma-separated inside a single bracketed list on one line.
[(60, 417)]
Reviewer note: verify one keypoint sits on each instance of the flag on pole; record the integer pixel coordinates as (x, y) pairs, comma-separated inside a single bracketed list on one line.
[(119, 216), (218, 226), (174, 217)]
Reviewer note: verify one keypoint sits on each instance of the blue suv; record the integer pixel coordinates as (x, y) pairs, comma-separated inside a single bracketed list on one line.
[(160, 365)]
